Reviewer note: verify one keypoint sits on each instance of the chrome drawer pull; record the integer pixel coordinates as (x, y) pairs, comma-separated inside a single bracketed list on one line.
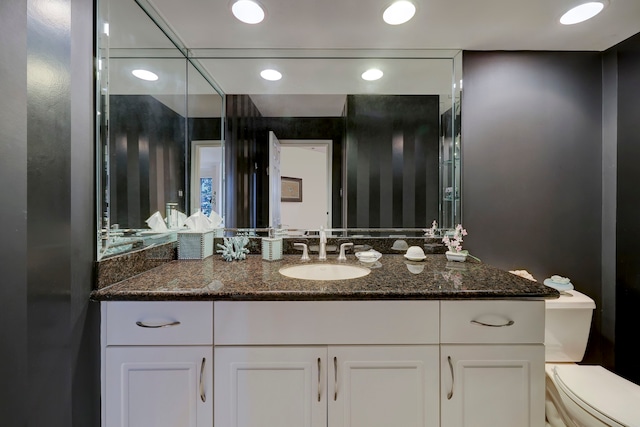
[(509, 323), (319, 376), (335, 379), (453, 378), (163, 325), (203, 396)]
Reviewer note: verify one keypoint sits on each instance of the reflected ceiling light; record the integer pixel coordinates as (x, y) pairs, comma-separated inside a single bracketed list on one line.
[(372, 74), (582, 13), (248, 11), (399, 12), (271, 75), (145, 75), (105, 28)]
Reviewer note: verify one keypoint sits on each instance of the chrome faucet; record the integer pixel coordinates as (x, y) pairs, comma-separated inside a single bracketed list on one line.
[(322, 256)]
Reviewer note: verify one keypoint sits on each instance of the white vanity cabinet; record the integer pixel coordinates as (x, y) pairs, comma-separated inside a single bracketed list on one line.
[(492, 363), (157, 364), (409, 363), (312, 374)]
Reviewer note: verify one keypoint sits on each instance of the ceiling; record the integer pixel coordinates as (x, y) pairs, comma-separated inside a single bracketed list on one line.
[(233, 53), (438, 24)]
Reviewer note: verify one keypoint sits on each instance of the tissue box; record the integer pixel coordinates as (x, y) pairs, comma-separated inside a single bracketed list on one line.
[(195, 245), (271, 248)]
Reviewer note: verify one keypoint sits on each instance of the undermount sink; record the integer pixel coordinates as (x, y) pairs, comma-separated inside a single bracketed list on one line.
[(324, 271)]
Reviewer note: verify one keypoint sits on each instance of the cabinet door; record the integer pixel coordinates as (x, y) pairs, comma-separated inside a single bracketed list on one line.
[(382, 386), (158, 386), (270, 386), (492, 385)]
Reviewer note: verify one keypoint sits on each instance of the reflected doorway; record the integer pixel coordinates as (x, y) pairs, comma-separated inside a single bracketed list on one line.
[(310, 161), (206, 177)]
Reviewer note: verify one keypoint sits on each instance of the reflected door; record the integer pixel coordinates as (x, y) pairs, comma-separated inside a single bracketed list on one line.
[(275, 217)]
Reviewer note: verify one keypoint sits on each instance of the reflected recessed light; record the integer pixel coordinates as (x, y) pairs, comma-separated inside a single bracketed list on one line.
[(105, 28), (271, 75), (248, 11), (372, 74), (399, 12), (145, 75), (582, 13)]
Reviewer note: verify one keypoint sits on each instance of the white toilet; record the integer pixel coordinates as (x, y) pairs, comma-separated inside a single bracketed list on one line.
[(582, 395)]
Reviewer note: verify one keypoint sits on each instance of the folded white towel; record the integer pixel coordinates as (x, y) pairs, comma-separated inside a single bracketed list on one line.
[(156, 223)]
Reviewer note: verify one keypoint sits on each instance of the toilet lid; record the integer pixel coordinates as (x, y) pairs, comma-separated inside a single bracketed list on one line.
[(600, 392)]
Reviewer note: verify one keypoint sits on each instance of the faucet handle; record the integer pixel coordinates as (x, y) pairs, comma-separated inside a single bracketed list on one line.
[(342, 256), (305, 251)]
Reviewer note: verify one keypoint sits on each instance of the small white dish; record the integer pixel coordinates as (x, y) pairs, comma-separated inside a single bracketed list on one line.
[(400, 245), (456, 256), (369, 256), (415, 258), (415, 253)]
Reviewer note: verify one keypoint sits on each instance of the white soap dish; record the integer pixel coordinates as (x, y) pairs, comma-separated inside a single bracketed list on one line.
[(369, 256)]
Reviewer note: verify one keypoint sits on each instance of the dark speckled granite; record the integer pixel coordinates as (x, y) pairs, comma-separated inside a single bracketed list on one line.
[(255, 279), (121, 267)]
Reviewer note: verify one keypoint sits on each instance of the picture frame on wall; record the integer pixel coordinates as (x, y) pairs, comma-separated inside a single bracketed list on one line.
[(290, 189)]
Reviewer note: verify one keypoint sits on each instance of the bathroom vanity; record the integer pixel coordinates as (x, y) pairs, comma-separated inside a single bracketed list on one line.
[(238, 344)]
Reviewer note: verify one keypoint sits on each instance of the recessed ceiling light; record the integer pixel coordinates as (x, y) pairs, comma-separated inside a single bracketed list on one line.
[(271, 75), (582, 13), (399, 12), (248, 11), (145, 75), (372, 74)]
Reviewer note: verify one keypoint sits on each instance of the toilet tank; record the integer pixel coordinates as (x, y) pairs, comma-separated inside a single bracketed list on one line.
[(567, 324)]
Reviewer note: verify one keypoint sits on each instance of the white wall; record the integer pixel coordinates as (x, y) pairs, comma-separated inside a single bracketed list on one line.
[(311, 166)]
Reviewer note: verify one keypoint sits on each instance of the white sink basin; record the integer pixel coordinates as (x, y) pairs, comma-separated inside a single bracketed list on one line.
[(324, 271)]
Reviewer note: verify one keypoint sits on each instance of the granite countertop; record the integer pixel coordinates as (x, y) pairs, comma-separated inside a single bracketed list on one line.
[(256, 279)]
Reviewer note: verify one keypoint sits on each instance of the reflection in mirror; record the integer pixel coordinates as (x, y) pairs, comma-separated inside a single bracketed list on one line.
[(382, 154), (145, 127), (390, 140)]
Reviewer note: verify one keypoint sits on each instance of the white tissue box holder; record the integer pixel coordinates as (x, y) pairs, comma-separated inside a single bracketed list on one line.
[(195, 245), (271, 248)]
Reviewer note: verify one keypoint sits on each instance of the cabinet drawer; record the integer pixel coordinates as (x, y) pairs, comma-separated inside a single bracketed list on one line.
[(492, 322), (325, 322), (158, 323)]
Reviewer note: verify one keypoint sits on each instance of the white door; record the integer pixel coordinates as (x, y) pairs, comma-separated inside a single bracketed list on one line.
[(159, 386), (383, 386), (492, 385), (275, 218), (270, 387)]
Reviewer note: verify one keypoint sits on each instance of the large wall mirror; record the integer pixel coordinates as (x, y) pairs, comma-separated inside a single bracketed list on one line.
[(320, 147)]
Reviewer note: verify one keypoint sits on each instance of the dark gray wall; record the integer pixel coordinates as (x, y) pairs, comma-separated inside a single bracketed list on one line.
[(609, 205), (532, 165), (392, 160), (146, 159), (50, 353), (626, 57), (240, 156)]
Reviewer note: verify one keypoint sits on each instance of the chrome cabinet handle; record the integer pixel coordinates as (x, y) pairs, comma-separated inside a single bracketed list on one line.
[(509, 323), (163, 325), (319, 370), (203, 396), (335, 379), (453, 379)]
